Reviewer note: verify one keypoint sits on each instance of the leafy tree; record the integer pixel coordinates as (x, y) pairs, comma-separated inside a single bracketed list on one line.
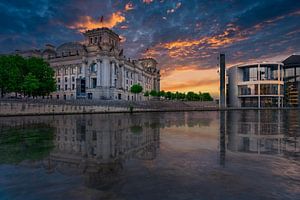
[(45, 75), (146, 94), (153, 93), (136, 89), (30, 85), (11, 76), (206, 97), (15, 69), (161, 93), (168, 95)]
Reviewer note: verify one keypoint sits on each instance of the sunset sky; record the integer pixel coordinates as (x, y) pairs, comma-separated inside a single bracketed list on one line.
[(185, 36)]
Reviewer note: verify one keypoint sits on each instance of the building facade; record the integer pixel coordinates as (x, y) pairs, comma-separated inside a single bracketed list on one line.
[(255, 85), (97, 69), (292, 81)]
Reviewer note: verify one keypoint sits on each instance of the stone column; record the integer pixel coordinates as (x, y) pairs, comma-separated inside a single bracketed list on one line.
[(278, 85), (84, 74), (119, 77), (112, 75), (62, 79), (105, 73), (70, 77), (99, 67), (123, 76)]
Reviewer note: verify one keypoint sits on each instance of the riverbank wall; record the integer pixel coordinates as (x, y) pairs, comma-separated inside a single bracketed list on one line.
[(58, 107)]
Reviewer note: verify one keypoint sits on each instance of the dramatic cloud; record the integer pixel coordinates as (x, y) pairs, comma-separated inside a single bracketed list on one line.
[(185, 37), (87, 22)]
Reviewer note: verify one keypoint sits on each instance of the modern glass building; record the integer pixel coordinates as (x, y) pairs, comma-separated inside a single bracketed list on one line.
[(292, 81), (255, 85)]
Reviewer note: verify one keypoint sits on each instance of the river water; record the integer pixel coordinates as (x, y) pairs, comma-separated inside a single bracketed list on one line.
[(174, 155)]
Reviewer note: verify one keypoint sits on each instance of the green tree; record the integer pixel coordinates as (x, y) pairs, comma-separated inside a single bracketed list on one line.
[(30, 85), (146, 94), (153, 93), (136, 89), (206, 97), (14, 69), (11, 76), (161, 93), (45, 75), (168, 95)]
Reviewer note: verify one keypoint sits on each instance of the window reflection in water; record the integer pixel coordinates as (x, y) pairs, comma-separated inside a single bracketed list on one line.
[(264, 132)]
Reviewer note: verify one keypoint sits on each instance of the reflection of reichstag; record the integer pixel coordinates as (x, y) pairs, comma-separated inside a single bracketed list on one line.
[(94, 146), (263, 132), (97, 146)]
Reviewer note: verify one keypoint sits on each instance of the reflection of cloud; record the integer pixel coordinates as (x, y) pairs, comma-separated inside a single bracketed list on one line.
[(87, 22)]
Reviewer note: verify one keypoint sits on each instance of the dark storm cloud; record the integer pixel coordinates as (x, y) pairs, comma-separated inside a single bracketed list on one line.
[(178, 33)]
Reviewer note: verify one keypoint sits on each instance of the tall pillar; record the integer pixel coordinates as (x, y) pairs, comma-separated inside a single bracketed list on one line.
[(258, 78), (70, 77), (105, 72), (84, 73), (119, 77), (278, 84), (222, 81), (112, 74), (123, 76), (99, 68)]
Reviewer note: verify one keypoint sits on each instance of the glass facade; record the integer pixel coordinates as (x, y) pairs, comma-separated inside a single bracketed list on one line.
[(292, 85), (256, 90), (269, 89), (248, 90), (266, 72)]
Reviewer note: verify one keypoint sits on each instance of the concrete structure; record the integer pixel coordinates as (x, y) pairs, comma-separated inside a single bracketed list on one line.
[(292, 81), (97, 69), (255, 85), (222, 81)]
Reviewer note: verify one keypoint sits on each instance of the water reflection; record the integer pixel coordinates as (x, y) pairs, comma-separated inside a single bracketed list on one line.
[(150, 153), (264, 132), (97, 146)]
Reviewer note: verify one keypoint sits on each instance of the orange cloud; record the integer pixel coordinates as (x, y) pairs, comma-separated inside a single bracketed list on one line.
[(129, 6), (87, 22), (180, 48)]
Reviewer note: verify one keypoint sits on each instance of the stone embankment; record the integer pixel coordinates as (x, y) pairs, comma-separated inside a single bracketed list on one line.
[(55, 107)]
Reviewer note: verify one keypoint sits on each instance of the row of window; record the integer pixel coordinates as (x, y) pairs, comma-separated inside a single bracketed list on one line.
[(66, 79), (66, 87), (265, 89), (266, 72), (66, 71)]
